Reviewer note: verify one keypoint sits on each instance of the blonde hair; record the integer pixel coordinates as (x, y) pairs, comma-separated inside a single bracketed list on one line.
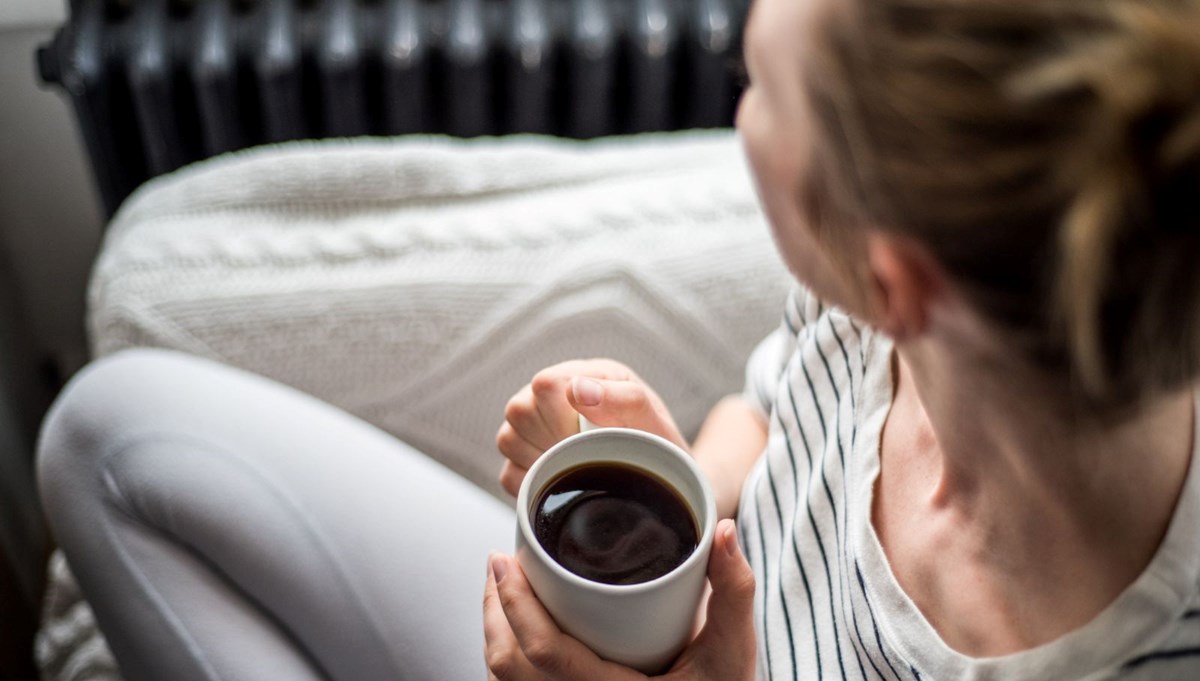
[(1047, 152)]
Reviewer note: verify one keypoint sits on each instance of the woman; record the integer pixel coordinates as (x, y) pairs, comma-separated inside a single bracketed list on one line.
[(966, 453), (978, 464)]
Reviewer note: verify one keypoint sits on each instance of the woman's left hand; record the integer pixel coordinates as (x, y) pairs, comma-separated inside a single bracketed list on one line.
[(524, 643)]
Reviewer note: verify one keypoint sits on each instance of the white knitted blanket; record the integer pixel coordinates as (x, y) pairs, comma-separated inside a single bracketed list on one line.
[(417, 283)]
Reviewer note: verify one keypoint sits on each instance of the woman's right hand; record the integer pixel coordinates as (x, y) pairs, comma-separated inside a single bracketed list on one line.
[(523, 643), (547, 410)]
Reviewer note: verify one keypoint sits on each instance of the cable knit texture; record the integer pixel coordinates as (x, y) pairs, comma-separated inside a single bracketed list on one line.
[(418, 283)]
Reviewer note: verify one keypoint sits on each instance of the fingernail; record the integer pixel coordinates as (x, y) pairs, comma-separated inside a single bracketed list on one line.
[(731, 543), (499, 566), (587, 391)]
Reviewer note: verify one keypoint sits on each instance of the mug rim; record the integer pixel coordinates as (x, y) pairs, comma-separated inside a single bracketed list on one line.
[(706, 533)]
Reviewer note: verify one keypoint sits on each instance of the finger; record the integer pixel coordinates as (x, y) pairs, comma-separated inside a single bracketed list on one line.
[(550, 396), (511, 477), (727, 640), (516, 448), (553, 653), (505, 661), (523, 413), (608, 369), (551, 386), (702, 610), (630, 404), (732, 581)]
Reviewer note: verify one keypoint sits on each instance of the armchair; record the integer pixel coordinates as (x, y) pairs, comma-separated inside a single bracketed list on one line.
[(418, 282)]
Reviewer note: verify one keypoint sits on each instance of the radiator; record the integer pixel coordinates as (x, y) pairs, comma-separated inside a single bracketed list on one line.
[(156, 84)]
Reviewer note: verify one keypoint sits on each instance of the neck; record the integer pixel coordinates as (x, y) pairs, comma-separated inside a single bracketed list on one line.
[(1016, 464), (1045, 517)]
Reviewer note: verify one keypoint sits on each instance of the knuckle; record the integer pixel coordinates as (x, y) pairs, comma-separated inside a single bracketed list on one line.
[(506, 440), (617, 370), (517, 409), (501, 662), (638, 398), (509, 599), (503, 438), (523, 419), (542, 652), (545, 382), (511, 478)]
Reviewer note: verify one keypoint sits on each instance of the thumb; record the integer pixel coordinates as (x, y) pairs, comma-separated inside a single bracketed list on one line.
[(628, 404), (729, 625)]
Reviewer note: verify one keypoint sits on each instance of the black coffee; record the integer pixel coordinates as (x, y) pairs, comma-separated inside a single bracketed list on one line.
[(613, 523)]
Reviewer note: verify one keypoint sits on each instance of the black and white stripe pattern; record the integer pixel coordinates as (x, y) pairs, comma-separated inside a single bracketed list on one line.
[(1177, 657), (817, 616)]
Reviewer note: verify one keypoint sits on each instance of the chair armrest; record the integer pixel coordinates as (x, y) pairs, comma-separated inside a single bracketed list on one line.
[(418, 283)]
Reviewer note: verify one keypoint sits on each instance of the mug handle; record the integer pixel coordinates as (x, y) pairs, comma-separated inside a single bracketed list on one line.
[(585, 425)]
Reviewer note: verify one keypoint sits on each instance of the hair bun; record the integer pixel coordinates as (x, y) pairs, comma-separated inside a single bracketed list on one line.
[(1162, 74), (1138, 61), (1130, 74), (1047, 152), (1154, 94)]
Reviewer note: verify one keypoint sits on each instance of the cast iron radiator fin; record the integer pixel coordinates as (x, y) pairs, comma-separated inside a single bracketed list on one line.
[(156, 84)]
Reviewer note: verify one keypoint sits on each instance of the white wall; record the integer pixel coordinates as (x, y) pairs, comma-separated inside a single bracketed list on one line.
[(50, 217), (17, 13), (49, 226)]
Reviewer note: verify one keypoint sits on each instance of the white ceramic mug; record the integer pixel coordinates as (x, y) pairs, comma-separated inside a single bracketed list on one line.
[(645, 625)]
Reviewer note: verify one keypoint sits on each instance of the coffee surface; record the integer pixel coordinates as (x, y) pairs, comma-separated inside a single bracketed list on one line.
[(613, 523)]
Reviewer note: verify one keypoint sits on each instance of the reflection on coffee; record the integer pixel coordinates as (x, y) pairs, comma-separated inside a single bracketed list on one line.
[(613, 523)]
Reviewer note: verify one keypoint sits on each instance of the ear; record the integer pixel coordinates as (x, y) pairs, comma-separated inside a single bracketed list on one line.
[(905, 281)]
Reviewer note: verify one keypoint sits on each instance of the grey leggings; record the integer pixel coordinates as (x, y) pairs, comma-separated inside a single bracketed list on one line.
[(226, 527)]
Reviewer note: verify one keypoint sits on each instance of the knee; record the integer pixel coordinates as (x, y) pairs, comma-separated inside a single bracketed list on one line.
[(102, 406)]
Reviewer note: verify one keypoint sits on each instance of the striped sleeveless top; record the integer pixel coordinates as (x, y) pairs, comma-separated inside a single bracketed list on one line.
[(827, 605)]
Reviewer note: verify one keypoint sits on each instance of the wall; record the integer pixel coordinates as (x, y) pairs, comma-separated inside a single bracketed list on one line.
[(49, 229), (23, 540), (50, 217), (17, 13)]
